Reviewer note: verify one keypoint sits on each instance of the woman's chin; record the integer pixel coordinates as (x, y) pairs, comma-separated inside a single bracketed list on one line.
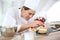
[(27, 19)]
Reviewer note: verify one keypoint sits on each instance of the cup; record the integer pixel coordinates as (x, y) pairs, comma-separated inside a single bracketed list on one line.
[(29, 35)]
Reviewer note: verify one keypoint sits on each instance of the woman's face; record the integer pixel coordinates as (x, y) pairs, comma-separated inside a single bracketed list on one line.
[(27, 14)]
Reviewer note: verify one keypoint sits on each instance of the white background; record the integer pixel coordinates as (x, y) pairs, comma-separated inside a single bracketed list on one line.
[(52, 8)]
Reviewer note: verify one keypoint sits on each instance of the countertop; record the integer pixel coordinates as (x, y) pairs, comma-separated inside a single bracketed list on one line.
[(51, 36)]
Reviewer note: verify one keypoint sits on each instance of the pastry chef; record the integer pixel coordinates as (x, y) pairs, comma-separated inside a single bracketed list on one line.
[(23, 17)]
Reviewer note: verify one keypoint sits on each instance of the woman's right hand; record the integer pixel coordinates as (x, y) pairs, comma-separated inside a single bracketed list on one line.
[(36, 23)]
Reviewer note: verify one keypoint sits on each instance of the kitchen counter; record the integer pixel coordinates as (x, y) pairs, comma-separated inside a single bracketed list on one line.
[(50, 36)]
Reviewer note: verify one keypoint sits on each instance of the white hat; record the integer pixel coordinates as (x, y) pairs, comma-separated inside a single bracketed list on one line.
[(32, 4)]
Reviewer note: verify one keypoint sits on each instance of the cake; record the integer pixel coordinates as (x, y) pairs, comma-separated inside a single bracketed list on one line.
[(42, 30)]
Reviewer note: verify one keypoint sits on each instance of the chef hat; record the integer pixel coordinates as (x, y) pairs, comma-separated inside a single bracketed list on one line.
[(32, 4)]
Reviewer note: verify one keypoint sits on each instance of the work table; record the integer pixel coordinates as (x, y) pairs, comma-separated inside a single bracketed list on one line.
[(51, 36)]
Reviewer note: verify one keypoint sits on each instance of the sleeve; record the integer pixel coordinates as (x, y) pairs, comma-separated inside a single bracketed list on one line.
[(18, 27)]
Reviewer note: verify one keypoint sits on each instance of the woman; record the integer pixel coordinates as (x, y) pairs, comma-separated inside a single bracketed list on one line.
[(17, 18), (21, 17)]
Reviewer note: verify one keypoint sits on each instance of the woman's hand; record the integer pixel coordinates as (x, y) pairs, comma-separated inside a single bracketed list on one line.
[(36, 23)]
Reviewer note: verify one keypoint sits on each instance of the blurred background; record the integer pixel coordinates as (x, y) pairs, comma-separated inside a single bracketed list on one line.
[(51, 8)]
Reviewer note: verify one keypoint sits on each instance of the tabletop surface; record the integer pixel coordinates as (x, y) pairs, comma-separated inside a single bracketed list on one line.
[(49, 36)]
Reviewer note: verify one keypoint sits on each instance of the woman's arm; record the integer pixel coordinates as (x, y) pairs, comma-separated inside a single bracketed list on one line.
[(23, 27), (33, 24)]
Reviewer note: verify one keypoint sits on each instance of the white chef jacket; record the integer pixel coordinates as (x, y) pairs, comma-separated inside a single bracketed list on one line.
[(13, 18)]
